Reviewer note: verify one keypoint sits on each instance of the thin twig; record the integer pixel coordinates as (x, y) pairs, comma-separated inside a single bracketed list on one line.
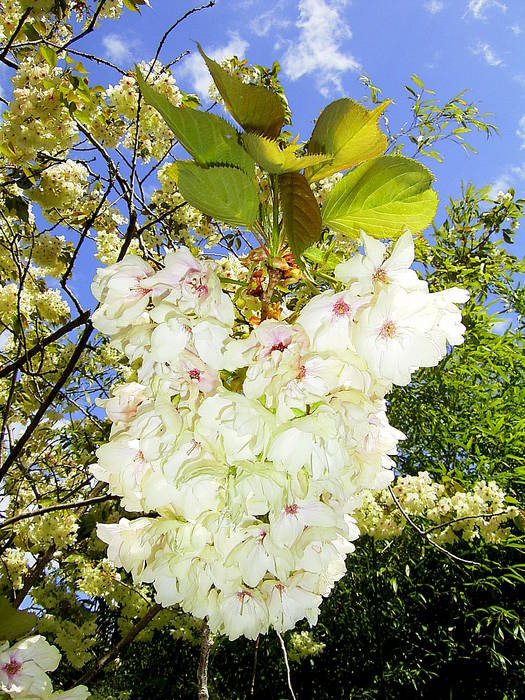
[(464, 517), (13, 36), (202, 669), (175, 24), (285, 657)]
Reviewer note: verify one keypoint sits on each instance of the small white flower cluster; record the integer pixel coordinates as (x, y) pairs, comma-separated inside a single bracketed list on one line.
[(154, 136), (253, 452), (480, 513), (61, 185), (23, 671)]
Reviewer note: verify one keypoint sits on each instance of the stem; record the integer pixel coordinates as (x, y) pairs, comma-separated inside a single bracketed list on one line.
[(202, 670), (252, 685), (285, 657), (275, 212), (274, 277)]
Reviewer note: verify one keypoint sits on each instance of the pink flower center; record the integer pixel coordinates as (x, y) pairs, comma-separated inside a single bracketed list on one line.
[(341, 308), (263, 535), (13, 667), (292, 509), (388, 330), (241, 595), (379, 275), (195, 374), (302, 373), (278, 346), (202, 290), (279, 587)]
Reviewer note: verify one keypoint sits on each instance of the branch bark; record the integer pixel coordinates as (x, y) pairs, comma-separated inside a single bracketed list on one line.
[(58, 506), (202, 670)]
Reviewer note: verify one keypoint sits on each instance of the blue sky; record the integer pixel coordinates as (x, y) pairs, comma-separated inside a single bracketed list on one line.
[(323, 47)]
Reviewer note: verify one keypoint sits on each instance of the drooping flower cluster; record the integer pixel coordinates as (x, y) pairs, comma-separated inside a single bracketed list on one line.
[(252, 452), (23, 671)]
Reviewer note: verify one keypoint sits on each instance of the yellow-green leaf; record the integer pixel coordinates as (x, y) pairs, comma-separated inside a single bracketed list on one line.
[(14, 623), (273, 159), (254, 107), (383, 197), (350, 132), (207, 137), (301, 215), (49, 54), (226, 194)]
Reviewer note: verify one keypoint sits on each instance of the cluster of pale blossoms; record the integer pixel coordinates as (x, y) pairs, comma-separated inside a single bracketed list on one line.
[(252, 452), (37, 120), (154, 136), (23, 671), (468, 515), (61, 185)]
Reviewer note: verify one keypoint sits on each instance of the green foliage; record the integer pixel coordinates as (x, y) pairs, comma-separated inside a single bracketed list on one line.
[(276, 160), (383, 197), (252, 106), (227, 194), (350, 133), (210, 139), (301, 215)]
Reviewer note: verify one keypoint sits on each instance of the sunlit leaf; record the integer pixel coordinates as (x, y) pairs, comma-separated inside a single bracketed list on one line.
[(348, 131), (254, 107), (13, 622), (383, 197), (276, 160), (49, 54), (207, 137), (226, 194), (301, 215)]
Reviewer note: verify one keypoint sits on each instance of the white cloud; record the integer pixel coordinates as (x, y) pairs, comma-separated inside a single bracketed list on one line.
[(520, 131), (512, 176), (117, 49), (434, 6), (487, 52), (194, 69), (476, 8), (516, 29), (274, 18), (317, 50)]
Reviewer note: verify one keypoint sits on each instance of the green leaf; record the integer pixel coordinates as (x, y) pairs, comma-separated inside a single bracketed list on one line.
[(348, 131), (49, 54), (207, 137), (276, 160), (30, 32), (133, 5), (254, 107), (13, 622), (383, 197), (301, 214), (226, 194)]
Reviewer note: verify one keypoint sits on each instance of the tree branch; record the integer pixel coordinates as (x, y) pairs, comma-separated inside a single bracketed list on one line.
[(21, 361), (113, 653), (57, 506), (202, 669), (70, 367), (285, 657)]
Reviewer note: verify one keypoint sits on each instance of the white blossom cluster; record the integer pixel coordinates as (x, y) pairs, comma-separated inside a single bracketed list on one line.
[(23, 671), (251, 453), (468, 515)]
